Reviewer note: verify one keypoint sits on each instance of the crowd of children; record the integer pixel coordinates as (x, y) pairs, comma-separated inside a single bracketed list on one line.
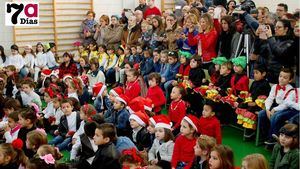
[(153, 96)]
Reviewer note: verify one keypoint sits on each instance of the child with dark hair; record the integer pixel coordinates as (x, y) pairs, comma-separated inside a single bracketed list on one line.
[(260, 87), (120, 116), (155, 93), (162, 148), (177, 108), (12, 80), (147, 65), (132, 87), (12, 128), (173, 70), (140, 137), (84, 147), (10, 106), (209, 124), (15, 59), (95, 75), (106, 155), (267, 118), (28, 95), (287, 149), (50, 51), (27, 119), (69, 124)]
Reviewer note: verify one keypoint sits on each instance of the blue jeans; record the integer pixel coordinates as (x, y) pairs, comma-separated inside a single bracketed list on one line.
[(60, 142), (24, 72), (276, 121)]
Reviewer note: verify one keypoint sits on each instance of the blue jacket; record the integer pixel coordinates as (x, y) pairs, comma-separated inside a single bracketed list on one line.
[(173, 70), (147, 66), (157, 66), (121, 121), (164, 69)]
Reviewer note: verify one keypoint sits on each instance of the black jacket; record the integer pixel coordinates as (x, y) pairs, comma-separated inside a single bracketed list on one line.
[(106, 157), (87, 150), (223, 83), (23, 136), (258, 88), (63, 128), (143, 139)]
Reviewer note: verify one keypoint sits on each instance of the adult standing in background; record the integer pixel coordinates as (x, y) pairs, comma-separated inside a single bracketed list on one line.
[(113, 34), (152, 9), (101, 29), (88, 28), (142, 6)]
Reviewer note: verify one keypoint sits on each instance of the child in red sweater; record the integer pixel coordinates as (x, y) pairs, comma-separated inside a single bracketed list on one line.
[(132, 88), (239, 81), (155, 93), (177, 109), (183, 153), (209, 124)]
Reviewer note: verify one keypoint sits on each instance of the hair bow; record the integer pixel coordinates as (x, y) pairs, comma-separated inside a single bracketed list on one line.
[(17, 144), (48, 158), (133, 153)]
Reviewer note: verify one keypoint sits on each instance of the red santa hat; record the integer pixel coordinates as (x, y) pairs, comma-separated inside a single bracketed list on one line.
[(55, 73), (98, 89), (136, 104), (122, 98), (84, 79), (67, 76), (117, 91), (46, 72), (148, 104), (193, 121), (163, 121), (140, 117)]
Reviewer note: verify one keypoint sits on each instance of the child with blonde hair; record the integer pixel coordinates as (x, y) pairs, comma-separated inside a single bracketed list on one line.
[(202, 150), (254, 161)]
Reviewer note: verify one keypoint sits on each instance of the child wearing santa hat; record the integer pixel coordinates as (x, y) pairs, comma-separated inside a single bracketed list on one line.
[(120, 116), (183, 153), (140, 136), (75, 88), (109, 101), (99, 94), (162, 148)]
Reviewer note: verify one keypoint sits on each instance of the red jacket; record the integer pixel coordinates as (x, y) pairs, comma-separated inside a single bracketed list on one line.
[(208, 43), (177, 111), (211, 126), (241, 85), (184, 70), (152, 11), (70, 69), (157, 96), (132, 89), (183, 151)]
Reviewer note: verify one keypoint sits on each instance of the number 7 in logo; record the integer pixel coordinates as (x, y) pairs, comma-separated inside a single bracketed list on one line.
[(18, 7)]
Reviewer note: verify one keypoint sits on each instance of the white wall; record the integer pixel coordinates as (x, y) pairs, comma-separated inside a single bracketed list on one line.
[(6, 32), (272, 4)]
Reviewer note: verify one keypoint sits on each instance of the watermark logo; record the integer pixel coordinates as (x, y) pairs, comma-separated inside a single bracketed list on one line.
[(22, 14)]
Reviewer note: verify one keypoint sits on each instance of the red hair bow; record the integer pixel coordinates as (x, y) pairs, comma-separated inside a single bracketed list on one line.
[(17, 144), (133, 153)]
